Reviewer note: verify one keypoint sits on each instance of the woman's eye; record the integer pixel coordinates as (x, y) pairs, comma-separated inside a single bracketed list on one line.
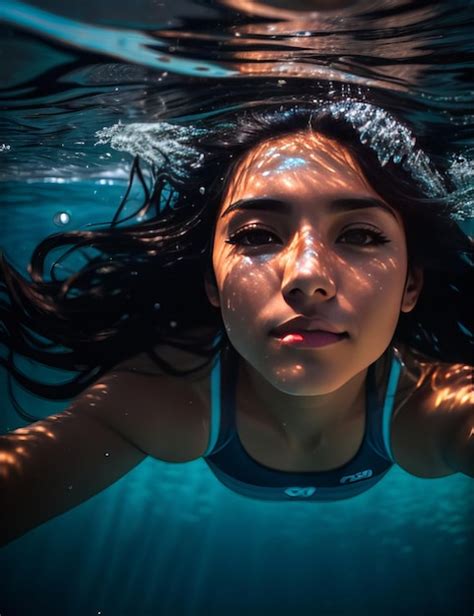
[(253, 236), (363, 237)]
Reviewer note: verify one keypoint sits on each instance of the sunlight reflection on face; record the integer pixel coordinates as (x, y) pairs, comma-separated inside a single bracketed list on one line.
[(307, 269)]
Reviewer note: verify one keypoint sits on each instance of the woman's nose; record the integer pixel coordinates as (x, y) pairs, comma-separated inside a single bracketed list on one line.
[(309, 273)]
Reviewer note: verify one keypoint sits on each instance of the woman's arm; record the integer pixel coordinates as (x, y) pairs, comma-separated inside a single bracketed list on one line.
[(53, 465), (454, 401), (458, 447), (433, 435)]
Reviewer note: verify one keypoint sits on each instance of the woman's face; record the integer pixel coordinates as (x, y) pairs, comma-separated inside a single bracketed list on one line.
[(301, 234)]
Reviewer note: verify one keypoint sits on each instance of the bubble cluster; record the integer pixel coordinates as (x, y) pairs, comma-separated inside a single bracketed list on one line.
[(156, 143), (390, 140), (162, 143), (461, 174)]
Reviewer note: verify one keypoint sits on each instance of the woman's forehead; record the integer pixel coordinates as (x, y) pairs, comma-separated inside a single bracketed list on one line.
[(293, 162)]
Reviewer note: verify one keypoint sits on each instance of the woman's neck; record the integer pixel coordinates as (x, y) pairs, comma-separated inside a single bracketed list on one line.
[(303, 421)]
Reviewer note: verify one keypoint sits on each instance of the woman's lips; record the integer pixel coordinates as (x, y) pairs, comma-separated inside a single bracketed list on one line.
[(310, 339)]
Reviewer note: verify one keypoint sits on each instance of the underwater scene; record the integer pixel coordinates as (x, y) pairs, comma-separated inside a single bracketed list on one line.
[(168, 539)]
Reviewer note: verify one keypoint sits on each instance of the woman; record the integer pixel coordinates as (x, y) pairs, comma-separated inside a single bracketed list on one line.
[(312, 247)]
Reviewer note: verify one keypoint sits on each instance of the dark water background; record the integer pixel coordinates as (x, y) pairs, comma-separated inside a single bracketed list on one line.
[(168, 539)]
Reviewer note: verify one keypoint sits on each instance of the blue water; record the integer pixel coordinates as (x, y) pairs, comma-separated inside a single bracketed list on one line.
[(168, 539)]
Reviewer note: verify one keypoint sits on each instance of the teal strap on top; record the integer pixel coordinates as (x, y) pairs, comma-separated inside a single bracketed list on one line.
[(395, 370), (387, 411), (215, 406)]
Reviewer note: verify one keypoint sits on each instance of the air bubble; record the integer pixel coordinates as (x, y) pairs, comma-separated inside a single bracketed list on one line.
[(61, 219)]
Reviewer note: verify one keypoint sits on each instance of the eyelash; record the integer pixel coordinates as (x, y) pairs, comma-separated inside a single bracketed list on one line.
[(238, 237)]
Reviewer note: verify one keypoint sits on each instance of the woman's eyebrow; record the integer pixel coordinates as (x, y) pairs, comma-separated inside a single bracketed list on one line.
[(348, 204), (260, 203), (345, 204)]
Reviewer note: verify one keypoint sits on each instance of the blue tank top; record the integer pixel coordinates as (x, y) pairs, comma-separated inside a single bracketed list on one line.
[(237, 470)]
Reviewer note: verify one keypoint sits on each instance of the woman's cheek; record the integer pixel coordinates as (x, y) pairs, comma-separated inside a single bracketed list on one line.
[(236, 288), (244, 290), (381, 297)]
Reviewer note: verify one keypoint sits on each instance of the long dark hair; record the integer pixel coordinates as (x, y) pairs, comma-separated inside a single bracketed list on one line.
[(142, 278)]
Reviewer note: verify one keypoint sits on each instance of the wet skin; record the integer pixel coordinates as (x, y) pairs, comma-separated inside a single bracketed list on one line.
[(321, 244)]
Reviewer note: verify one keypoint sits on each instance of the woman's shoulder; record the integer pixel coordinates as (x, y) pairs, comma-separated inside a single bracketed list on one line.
[(432, 396), (166, 414), (426, 376)]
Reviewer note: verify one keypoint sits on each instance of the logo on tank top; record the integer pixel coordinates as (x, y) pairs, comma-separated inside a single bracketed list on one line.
[(357, 477), (304, 492)]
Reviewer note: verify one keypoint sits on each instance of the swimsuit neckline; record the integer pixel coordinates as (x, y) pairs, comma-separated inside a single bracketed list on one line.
[(228, 402)]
